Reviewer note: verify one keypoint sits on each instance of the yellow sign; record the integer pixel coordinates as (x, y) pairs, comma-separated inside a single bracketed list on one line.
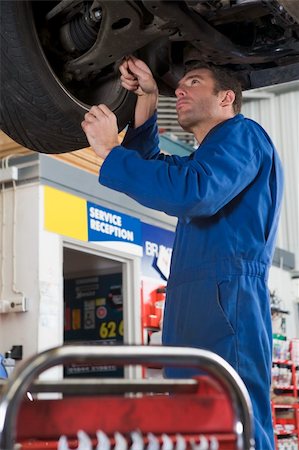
[(65, 214)]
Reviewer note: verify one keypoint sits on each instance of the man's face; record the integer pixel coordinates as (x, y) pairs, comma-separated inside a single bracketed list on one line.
[(196, 99)]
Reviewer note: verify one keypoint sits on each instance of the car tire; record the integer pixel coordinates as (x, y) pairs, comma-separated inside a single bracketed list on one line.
[(36, 109)]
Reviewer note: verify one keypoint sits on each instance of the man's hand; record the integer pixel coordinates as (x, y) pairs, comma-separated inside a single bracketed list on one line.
[(100, 127), (137, 77)]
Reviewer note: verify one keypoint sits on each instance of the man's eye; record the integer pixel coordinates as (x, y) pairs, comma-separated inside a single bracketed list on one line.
[(194, 81)]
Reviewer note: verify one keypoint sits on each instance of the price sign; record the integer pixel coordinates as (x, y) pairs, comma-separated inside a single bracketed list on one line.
[(111, 329)]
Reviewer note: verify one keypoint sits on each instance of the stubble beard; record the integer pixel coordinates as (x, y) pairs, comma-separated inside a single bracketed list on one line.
[(187, 121)]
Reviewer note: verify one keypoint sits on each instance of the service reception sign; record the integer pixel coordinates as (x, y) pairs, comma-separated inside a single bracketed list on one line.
[(75, 217)]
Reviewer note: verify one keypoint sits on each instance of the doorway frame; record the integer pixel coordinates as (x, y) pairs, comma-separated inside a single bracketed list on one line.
[(131, 290)]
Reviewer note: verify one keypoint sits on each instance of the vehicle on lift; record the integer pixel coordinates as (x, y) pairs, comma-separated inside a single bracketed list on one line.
[(60, 57)]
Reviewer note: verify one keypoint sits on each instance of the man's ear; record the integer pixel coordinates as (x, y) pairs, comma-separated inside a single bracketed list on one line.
[(228, 98)]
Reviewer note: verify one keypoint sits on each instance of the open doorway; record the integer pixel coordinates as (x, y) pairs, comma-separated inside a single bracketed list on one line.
[(93, 307)]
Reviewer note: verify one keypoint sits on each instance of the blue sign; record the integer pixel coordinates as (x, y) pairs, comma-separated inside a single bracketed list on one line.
[(106, 225), (156, 243)]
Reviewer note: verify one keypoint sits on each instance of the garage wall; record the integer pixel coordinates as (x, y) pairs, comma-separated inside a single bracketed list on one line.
[(19, 230), (31, 262), (286, 289), (277, 111)]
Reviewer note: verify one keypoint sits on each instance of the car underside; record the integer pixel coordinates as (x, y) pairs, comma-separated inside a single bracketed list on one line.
[(78, 45)]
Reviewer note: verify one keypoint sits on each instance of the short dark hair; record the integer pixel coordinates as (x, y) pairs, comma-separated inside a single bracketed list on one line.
[(224, 78)]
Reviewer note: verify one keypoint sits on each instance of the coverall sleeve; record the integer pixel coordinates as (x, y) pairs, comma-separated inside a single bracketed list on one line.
[(145, 140), (221, 168)]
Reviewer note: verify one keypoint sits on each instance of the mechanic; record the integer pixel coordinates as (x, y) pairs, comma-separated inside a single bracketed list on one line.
[(227, 198)]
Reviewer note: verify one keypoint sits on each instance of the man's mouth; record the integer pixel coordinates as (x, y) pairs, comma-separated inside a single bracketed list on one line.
[(181, 103)]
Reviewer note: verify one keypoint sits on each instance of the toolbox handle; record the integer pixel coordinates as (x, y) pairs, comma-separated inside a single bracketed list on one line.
[(100, 386), (214, 365)]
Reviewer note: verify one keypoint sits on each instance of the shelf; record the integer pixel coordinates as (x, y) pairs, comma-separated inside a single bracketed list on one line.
[(285, 413), (287, 362), (286, 406), (285, 433), (274, 309), (284, 388)]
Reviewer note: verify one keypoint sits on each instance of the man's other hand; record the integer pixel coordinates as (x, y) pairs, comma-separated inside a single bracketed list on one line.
[(100, 127), (137, 77)]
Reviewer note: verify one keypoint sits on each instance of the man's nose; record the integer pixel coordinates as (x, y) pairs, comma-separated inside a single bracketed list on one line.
[(180, 92)]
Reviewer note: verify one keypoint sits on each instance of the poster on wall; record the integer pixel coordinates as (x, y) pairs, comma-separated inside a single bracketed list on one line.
[(155, 265), (93, 316), (157, 246)]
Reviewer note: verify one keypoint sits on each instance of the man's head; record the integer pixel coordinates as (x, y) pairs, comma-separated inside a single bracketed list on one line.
[(207, 94), (224, 80)]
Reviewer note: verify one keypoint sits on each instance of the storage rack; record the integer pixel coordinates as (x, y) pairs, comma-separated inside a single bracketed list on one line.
[(215, 405), (286, 426)]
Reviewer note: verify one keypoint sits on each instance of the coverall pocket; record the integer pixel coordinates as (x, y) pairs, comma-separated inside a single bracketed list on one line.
[(201, 314), (196, 316), (227, 298)]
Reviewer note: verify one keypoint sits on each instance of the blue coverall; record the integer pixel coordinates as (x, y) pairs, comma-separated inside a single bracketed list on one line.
[(227, 198)]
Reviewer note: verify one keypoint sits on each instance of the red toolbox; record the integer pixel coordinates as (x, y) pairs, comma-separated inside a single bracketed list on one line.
[(215, 406)]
